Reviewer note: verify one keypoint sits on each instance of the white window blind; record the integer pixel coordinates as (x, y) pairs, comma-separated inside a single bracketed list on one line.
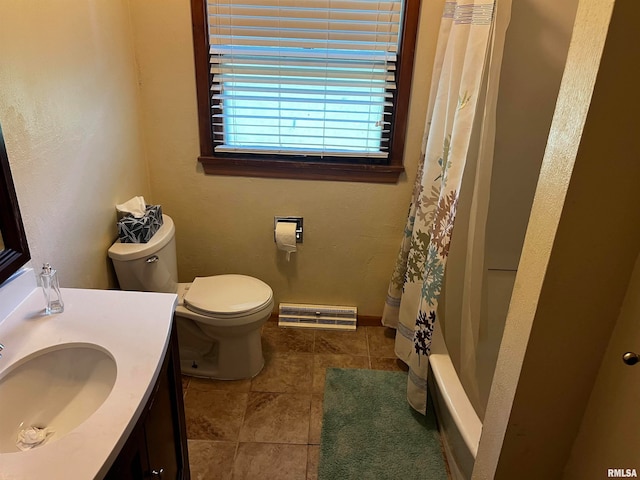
[(303, 77)]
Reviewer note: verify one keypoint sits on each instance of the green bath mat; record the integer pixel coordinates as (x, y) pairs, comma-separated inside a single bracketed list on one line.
[(369, 431)]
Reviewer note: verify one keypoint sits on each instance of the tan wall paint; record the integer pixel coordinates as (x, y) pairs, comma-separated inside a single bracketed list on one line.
[(68, 109), (224, 224), (535, 52), (608, 436), (578, 255), (534, 57)]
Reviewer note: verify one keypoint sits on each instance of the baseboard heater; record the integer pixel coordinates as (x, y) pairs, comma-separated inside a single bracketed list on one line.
[(328, 317)]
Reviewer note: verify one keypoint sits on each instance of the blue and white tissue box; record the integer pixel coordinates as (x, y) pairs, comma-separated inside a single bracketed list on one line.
[(140, 230)]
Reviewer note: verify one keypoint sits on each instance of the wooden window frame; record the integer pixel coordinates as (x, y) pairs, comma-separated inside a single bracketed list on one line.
[(290, 167)]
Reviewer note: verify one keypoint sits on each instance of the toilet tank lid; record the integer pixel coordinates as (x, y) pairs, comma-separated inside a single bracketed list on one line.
[(133, 251), (228, 294)]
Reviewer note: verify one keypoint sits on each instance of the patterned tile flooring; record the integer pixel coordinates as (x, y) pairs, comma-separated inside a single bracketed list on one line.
[(269, 427)]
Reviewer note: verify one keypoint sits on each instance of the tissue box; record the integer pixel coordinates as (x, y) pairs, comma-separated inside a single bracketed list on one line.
[(140, 230)]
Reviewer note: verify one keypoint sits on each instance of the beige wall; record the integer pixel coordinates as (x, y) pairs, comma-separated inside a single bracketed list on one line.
[(535, 52), (68, 110), (577, 258), (608, 436), (534, 57), (352, 231)]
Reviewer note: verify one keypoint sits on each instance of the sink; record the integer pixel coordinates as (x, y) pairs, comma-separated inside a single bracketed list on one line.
[(56, 388)]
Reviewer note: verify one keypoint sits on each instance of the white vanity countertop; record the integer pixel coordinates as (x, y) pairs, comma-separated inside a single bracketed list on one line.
[(134, 328)]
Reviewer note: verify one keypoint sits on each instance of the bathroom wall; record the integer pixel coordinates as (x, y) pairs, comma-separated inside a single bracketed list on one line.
[(74, 89), (608, 435), (570, 286), (535, 52), (352, 231), (534, 57), (69, 113)]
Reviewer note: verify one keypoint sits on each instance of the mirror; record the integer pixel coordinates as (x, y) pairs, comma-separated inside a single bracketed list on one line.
[(14, 250)]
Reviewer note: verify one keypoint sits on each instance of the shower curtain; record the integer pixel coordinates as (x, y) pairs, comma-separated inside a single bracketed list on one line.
[(458, 141)]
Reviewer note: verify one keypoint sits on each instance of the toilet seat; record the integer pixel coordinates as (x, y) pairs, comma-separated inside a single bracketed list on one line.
[(227, 296)]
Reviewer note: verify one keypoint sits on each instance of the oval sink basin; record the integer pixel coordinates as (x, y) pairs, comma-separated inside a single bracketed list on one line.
[(56, 388)]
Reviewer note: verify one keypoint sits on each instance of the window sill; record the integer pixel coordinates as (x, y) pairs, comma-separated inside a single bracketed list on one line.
[(342, 172)]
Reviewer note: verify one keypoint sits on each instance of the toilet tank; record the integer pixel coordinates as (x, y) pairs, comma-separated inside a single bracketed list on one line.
[(148, 267)]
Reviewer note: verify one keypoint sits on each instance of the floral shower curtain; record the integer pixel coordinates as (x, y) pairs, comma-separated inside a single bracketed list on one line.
[(411, 305)]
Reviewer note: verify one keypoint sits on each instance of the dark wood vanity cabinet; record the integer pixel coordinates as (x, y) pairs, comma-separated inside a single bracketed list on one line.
[(157, 447)]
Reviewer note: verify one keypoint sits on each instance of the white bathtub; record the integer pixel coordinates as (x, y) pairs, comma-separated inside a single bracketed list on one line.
[(458, 422)]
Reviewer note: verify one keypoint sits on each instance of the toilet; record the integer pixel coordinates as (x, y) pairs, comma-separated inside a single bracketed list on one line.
[(219, 318)]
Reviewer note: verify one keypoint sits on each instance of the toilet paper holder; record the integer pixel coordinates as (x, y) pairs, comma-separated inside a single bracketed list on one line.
[(296, 220)]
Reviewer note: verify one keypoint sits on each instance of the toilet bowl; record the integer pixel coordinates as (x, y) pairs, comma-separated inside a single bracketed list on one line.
[(219, 318), (230, 309)]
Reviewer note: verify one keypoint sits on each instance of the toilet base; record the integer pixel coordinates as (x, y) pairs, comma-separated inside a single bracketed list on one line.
[(204, 368), (227, 356)]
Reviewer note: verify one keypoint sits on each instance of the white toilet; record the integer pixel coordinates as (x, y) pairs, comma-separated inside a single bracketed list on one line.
[(219, 318)]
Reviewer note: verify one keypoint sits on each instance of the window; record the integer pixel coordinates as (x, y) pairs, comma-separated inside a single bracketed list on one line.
[(304, 88)]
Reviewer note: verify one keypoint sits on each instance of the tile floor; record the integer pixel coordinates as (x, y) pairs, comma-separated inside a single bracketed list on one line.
[(269, 427)]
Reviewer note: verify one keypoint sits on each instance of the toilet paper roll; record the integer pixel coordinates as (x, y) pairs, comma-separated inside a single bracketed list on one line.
[(286, 237)]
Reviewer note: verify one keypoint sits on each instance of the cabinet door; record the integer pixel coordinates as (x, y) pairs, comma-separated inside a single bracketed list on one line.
[(161, 433), (132, 461), (157, 447)]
